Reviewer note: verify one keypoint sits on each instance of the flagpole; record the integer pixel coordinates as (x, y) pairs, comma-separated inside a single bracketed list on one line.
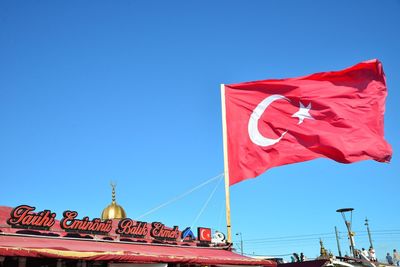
[(226, 166)]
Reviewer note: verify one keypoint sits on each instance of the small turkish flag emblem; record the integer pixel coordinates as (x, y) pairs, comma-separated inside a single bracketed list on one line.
[(204, 234)]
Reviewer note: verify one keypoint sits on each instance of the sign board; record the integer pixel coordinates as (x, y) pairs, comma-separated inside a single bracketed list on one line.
[(25, 217)]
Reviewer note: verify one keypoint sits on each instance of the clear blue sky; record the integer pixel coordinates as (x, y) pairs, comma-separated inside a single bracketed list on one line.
[(93, 91)]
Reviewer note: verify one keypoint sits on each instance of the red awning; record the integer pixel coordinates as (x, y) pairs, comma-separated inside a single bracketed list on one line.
[(56, 247)]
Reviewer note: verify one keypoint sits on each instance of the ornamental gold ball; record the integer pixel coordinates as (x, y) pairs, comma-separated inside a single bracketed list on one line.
[(113, 211)]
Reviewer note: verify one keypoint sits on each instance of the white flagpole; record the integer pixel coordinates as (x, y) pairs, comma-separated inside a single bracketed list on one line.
[(226, 166)]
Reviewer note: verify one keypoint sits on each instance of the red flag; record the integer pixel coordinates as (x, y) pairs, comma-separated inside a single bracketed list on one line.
[(204, 234), (336, 115)]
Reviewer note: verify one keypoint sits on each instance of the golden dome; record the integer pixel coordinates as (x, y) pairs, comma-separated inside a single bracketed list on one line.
[(113, 211)]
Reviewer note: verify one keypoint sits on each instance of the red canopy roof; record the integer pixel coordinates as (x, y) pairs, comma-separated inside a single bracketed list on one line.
[(56, 247)]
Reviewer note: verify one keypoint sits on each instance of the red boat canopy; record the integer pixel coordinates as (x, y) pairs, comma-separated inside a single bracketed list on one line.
[(63, 248)]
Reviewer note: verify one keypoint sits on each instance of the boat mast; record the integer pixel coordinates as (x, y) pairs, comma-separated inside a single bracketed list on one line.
[(369, 233), (348, 226), (337, 241)]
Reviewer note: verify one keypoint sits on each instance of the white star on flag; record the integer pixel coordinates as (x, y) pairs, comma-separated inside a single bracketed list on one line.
[(303, 113)]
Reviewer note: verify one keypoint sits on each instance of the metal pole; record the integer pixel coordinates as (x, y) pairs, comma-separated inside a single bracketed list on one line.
[(337, 241), (241, 242), (348, 224), (226, 167), (369, 233)]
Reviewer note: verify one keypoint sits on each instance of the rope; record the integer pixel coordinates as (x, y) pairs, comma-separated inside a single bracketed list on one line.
[(205, 204), (180, 196)]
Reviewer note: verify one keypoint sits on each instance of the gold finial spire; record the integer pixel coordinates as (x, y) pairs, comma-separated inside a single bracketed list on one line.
[(113, 185), (113, 211), (323, 251)]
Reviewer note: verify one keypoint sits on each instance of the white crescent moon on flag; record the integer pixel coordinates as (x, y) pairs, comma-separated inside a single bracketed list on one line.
[(202, 234), (255, 136)]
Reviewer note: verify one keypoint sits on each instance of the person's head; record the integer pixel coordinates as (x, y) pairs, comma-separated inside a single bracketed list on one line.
[(388, 254), (394, 250), (363, 249)]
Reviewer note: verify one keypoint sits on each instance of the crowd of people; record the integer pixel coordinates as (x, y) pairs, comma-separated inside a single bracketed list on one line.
[(369, 254), (296, 258), (393, 260)]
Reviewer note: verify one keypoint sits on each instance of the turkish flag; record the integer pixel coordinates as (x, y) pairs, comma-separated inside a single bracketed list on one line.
[(204, 234), (336, 115)]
